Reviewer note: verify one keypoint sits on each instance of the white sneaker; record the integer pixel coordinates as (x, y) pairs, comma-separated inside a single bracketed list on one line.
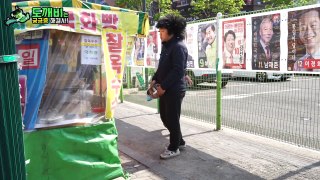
[(169, 154)]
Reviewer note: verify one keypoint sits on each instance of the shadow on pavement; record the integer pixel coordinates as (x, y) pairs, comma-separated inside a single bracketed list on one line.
[(293, 173), (145, 147)]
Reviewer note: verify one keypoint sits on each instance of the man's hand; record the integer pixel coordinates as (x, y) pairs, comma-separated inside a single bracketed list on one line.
[(189, 80), (152, 83), (160, 91), (151, 90)]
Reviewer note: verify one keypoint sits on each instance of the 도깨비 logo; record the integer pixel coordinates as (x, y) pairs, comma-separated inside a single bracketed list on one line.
[(17, 16), (39, 15)]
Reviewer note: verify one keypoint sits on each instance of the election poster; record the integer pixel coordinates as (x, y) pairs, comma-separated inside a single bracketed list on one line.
[(207, 45), (233, 44), (192, 45), (304, 40), (152, 49), (138, 51)]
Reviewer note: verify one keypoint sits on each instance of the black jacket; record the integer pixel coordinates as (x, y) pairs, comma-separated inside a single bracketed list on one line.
[(172, 65)]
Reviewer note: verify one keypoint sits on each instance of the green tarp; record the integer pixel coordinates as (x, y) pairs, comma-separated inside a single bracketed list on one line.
[(81, 153)]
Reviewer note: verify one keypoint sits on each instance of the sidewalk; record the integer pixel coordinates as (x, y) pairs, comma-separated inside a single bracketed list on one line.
[(225, 154)]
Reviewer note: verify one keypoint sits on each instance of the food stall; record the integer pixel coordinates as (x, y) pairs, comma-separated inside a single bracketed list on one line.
[(71, 70)]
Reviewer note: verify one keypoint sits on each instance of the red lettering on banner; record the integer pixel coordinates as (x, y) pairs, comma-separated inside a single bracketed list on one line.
[(30, 55), (116, 62), (311, 64), (72, 21), (114, 103), (88, 21), (110, 21), (115, 46), (115, 85), (114, 42)]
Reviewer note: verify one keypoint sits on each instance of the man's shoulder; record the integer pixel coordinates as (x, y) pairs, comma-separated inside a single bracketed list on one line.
[(179, 45)]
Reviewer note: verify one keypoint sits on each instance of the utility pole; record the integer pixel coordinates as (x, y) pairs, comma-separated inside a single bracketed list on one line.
[(12, 160)]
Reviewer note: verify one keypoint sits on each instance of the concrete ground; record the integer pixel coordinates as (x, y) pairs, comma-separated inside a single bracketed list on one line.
[(224, 154)]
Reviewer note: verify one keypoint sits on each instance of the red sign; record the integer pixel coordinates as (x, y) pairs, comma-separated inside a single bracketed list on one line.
[(30, 54), (311, 64)]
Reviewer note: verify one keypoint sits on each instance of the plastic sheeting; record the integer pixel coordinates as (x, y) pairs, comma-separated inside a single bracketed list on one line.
[(74, 86), (82, 153), (64, 76)]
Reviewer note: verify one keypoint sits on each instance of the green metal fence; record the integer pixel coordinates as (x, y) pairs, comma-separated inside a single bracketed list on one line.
[(270, 101), (12, 161)]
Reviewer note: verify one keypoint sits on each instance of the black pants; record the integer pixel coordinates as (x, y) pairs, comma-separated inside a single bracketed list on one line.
[(170, 109)]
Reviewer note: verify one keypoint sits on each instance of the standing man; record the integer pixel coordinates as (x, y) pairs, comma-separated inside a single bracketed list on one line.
[(170, 79), (309, 32), (211, 46)]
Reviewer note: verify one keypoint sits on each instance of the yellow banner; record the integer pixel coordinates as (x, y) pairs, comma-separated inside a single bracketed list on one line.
[(114, 47), (85, 21)]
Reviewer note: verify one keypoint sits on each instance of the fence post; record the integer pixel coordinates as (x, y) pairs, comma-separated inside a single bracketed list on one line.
[(128, 77), (12, 160), (218, 70), (121, 94), (146, 74)]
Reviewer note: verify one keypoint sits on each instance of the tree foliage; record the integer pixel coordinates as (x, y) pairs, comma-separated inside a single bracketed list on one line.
[(209, 8), (164, 6), (133, 4), (199, 8), (286, 3)]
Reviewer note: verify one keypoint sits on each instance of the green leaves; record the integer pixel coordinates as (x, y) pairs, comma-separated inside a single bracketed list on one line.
[(209, 8), (133, 4), (200, 8), (165, 8), (164, 5)]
